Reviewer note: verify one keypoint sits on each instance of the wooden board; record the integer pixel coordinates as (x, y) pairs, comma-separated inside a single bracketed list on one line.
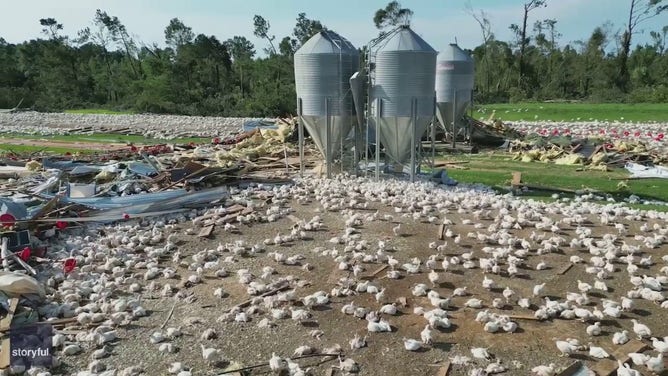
[(234, 209), (206, 231), (294, 218), (375, 273), (607, 367), (523, 317), (571, 370), (443, 371), (565, 269), (441, 231), (5, 324), (517, 179)]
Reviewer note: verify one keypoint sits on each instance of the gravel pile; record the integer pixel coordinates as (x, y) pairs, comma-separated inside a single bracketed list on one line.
[(154, 126)]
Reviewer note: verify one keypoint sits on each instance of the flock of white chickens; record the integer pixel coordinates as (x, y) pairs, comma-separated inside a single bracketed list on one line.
[(504, 238)]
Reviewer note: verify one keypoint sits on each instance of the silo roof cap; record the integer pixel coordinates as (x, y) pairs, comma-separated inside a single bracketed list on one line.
[(327, 42), (454, 53), (405, 39)]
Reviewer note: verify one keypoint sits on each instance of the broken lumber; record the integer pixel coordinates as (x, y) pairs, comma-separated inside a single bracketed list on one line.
[(375, 273), (5, 325), (571, 370), (273, 291), (565, 269), (523, 317), (206, 231), (517, 179), (607, 367), (443, 371)]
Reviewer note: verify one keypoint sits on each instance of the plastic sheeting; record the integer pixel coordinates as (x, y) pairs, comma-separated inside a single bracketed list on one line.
[(151, 202), (16, 284), (640, 171)]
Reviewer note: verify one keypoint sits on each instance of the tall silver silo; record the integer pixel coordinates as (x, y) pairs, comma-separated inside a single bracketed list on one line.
[(454, 86), (323, 67), (402, 93)]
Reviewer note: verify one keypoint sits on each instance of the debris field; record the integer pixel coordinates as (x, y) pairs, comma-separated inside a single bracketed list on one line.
[(200, 261)]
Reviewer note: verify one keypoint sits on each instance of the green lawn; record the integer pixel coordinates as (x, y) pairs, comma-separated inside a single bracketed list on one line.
[(496, 169), (27, 149), (645, 112), (98, 111), (105, 138)]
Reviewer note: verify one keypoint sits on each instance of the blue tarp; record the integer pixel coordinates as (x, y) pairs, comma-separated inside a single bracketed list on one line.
[(252, 124)]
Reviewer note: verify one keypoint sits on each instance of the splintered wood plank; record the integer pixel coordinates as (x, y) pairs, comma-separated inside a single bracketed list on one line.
[(443, 371), (375, 272), (517, 179), (206, 231), (565, 268), (234, 208), (570, 370), (294, 219), (441, 231), (524, 317), (6, 324), (607, 367)]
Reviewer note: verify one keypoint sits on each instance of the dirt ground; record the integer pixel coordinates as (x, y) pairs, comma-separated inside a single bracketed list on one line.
[(246, 344)]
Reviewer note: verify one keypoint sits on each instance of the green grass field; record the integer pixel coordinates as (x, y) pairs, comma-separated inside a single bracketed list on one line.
[(98, 111), (496, 169), (644, 112), (28, 149)]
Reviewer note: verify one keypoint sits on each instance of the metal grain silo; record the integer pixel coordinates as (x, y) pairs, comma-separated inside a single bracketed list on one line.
[(402, 92), (454, 85), (323, 67)]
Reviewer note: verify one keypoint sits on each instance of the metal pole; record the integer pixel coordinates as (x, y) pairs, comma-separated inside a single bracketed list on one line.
[(413, 131), (356, 144), (433, 137), (328, 143), (454, 116), (379, 104), (300, 130), (366, 141), (468, 124)]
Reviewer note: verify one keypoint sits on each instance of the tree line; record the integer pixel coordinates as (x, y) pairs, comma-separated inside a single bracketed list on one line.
[(104, 66)]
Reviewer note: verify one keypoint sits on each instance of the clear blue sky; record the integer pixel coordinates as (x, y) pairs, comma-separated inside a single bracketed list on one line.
[(438, 21)]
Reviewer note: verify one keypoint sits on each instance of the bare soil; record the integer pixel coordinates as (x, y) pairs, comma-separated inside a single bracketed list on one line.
[(245, 344)]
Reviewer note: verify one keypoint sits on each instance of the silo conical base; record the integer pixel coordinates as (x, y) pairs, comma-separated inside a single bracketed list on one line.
[(447, 113), (316, 126), (395, 135), (321, 169)]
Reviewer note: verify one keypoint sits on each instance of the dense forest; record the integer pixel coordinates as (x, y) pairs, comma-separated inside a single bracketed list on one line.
[(104, 66)]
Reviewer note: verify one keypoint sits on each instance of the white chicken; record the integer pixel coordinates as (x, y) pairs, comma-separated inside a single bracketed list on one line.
[(641, 330), (620, 338), (655, 364), (412, 344), (425, 335), (542, 370), (211, 355), (480, 353), (566, 348), (597, 352), (624, 369)]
